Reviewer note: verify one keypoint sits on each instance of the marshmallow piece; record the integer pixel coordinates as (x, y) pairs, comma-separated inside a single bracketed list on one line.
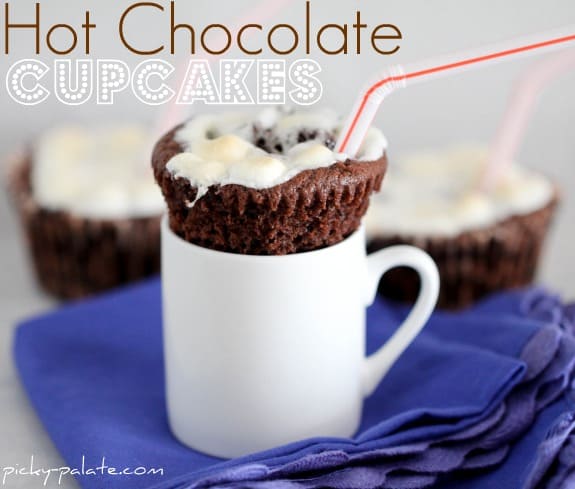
[(226, 149), (106, 201), (259, 171), (311, 155), (197, 169), (373, 145), (55, 190), (428, 217), (474, 209), (523, 193)]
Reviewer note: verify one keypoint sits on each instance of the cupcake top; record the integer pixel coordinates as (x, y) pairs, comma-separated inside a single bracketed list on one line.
[(95, 172), (437, 194), (261, 150), (268, 183)]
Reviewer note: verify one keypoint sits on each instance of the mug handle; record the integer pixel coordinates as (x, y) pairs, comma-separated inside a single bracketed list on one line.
[(378, 263)]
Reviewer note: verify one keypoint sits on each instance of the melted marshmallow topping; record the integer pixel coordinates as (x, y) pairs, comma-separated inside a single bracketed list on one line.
[(437, 194), (98, 172), (222, 149)]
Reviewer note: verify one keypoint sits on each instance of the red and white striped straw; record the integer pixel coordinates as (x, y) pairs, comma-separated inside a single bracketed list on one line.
[(368, 103), (514, 123)]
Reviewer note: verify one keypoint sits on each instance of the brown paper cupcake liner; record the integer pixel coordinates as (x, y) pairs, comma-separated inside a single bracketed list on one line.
[(74, 256), (475, 263), (314, 209)]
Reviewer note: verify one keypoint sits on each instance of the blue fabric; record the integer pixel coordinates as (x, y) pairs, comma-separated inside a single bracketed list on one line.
[(555, 454), (94, 373), (550, 359)]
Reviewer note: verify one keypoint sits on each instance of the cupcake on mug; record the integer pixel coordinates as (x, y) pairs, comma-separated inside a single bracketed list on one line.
[(89, 207), (268, 183), (482, 241)]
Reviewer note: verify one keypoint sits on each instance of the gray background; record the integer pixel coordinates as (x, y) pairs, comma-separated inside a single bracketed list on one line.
[(465, 108)]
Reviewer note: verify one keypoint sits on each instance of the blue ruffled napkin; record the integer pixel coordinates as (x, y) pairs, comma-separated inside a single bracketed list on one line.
[(469, 386)]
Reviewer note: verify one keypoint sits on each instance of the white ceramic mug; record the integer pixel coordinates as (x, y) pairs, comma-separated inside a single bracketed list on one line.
[(266, 350)]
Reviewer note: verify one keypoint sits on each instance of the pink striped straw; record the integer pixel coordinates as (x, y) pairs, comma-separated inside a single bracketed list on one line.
[(521, 105), (369, 102), (175, 113)]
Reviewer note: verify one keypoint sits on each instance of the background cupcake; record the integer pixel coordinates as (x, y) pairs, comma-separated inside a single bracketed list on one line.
[(267, 183), (89, 208), (482, 242)]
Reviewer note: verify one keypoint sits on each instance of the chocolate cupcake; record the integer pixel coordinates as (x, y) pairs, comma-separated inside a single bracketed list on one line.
[(89, 208), (482, 242), (268, 184)]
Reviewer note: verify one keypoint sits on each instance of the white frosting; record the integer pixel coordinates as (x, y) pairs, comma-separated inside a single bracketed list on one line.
[(218, 149), (99, 172), (438, 194)]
